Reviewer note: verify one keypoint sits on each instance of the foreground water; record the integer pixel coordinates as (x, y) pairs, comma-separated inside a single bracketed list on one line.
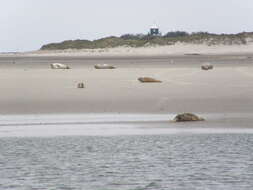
[(176, 161)]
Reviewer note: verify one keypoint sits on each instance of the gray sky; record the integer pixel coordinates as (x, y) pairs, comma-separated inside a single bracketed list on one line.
[(28, 24)]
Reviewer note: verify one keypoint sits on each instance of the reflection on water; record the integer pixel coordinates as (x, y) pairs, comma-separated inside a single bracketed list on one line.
[(200, 161)]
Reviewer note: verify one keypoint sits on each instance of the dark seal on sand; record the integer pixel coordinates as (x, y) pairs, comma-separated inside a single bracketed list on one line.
[(207, 66), (186, 117), (80, 85), (148, 80)]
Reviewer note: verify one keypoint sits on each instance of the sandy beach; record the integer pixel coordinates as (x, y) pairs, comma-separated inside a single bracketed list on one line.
[(29, 86)]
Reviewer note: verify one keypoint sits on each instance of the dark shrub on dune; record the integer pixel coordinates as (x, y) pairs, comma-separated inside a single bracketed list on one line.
[(176, 34)]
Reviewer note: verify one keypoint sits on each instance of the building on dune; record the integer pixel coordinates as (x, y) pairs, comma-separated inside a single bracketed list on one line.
[(155, 31)]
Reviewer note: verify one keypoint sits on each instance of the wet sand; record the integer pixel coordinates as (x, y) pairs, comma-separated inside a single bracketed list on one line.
[(29, 86), (52, 125)]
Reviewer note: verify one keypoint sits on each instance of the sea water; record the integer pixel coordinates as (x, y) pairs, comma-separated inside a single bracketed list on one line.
[(46, 153), (197, 161)]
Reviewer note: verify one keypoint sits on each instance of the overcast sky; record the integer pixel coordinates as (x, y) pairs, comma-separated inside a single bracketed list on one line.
[(28, 24)]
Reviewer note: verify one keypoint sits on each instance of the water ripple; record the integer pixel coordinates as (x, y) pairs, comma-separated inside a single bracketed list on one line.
[(203, 161)]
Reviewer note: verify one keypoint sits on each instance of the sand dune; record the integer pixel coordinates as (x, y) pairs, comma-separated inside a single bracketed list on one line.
[(178, 49)]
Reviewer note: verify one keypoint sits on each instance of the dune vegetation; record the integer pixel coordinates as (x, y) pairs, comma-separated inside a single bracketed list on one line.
[(142, 40)]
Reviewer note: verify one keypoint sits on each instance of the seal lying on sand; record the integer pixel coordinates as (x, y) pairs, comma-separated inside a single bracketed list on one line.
[(185, 117), (148, 80), (207, 66), (104, 66), (80, 85), (59, 66)]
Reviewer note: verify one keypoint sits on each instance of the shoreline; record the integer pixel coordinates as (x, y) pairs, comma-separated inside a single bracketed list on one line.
[(119, 125)]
